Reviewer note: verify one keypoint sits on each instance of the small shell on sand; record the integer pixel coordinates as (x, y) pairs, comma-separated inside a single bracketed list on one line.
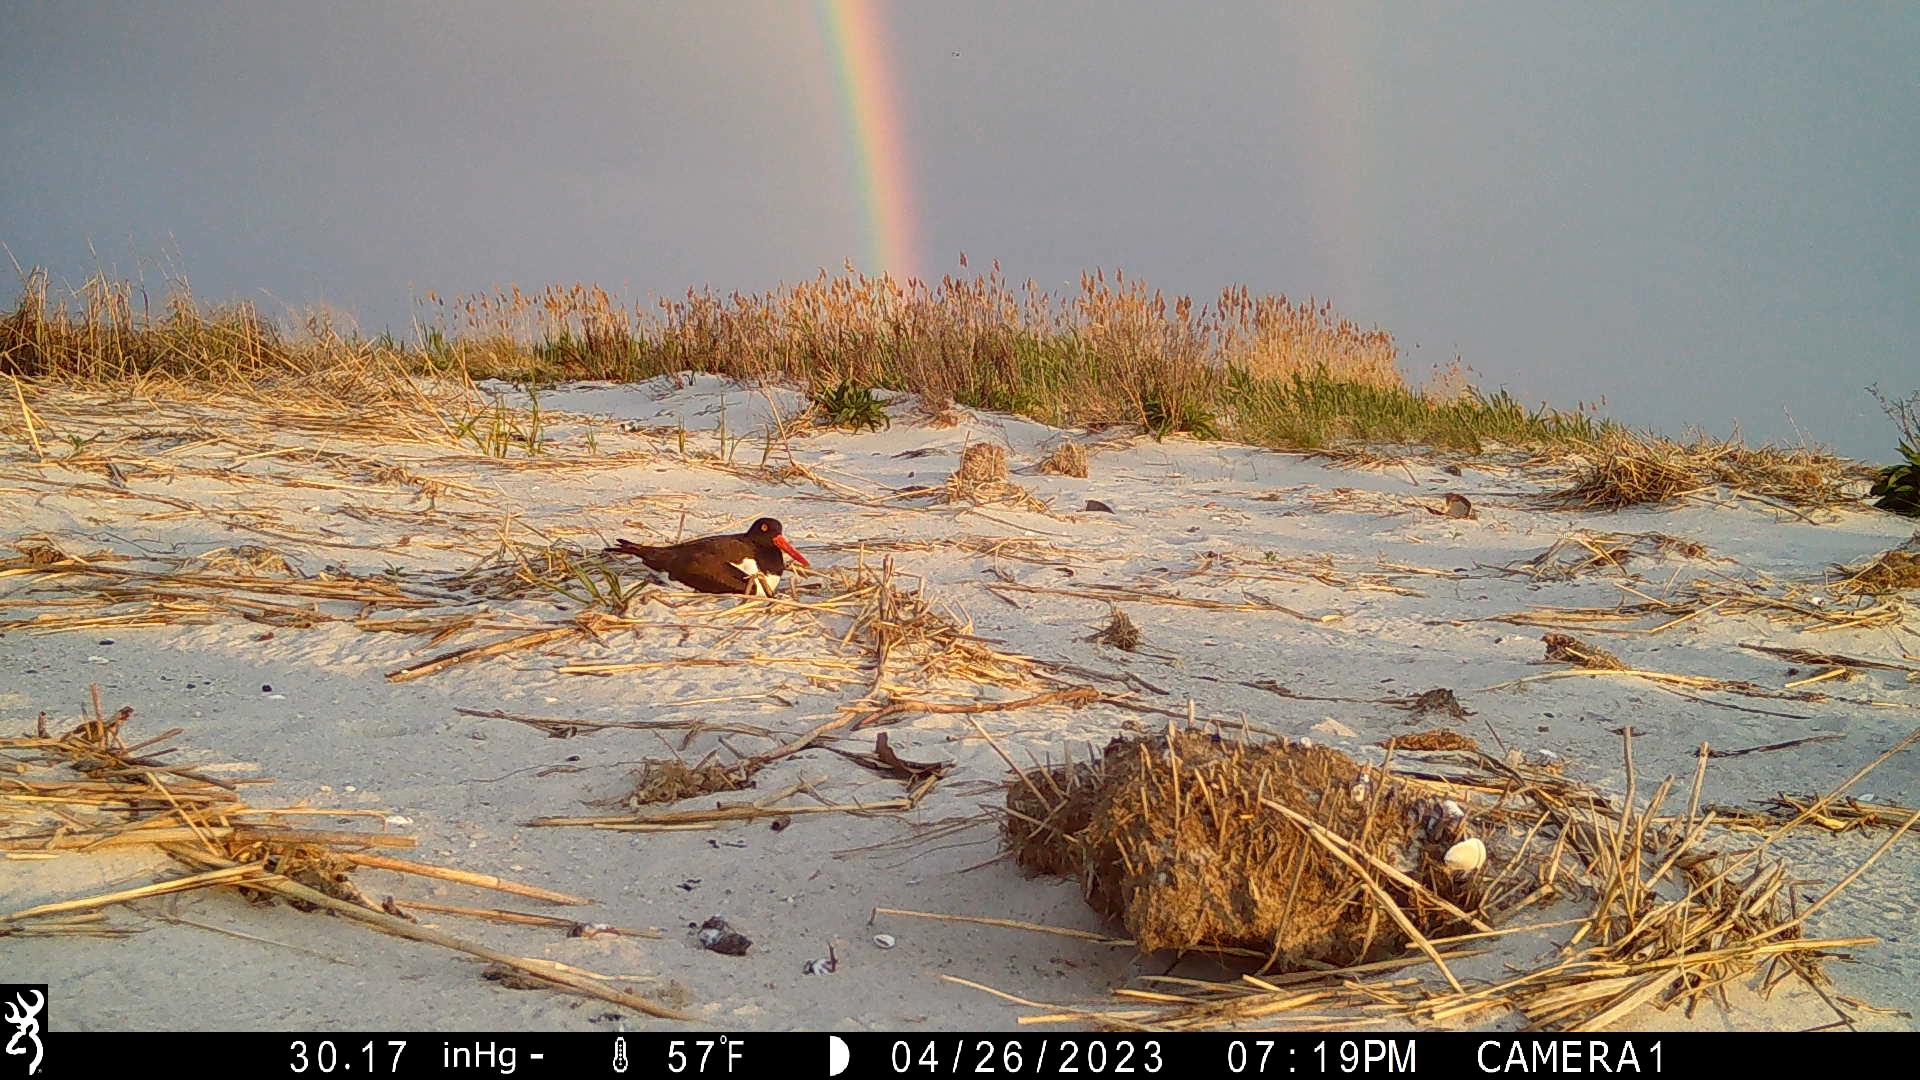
[(1467, 856)]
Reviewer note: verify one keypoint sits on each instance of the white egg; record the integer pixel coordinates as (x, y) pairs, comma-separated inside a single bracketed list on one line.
[(1467, 856)]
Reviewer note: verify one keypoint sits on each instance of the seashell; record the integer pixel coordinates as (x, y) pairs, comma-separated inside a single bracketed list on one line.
[(1360, 790), (1454, 812), (821, 966), (1467, 856), (885, 941)]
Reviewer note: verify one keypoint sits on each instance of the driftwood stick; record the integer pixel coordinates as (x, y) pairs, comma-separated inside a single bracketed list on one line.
[(464, 877)]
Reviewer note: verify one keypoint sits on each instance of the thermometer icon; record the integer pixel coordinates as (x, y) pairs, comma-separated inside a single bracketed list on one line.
[(620, 1054)]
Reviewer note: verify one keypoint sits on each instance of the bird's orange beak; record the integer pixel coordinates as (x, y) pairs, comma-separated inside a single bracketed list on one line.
[(781, 543)]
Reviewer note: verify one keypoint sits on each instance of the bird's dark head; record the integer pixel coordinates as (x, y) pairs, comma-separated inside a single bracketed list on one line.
[(769, 529)]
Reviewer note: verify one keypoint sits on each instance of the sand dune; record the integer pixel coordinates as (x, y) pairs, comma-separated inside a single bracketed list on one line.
[(1245, 570)]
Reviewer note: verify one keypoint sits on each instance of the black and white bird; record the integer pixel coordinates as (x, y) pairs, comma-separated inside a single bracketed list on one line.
[(745, 563)]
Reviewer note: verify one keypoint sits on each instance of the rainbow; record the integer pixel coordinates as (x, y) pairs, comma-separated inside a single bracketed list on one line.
[(870, 98)]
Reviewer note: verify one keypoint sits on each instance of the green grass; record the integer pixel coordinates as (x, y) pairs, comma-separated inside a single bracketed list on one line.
[(1319, 410), (847, 404), (1897, 487), (499, 429)]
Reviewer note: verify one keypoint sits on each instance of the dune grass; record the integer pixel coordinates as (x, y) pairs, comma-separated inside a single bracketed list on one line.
[(1259, 369)]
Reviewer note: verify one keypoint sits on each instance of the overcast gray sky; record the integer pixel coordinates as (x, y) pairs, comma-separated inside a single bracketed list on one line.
[(1702, 212)]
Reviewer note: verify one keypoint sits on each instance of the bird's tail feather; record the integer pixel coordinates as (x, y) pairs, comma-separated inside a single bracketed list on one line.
[(628, 547)]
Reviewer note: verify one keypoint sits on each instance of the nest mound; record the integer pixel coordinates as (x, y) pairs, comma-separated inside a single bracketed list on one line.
[(1184, 842)]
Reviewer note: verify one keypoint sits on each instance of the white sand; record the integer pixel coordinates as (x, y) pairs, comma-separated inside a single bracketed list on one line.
[(335, 732)]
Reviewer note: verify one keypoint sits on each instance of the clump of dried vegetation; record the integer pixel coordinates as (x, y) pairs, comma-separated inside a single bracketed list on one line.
[(1338, 878), (981, 464), (1067, 459), (1120, 632), (1280, 850), (981, 477), (1890, 571), (1630, 470), (1571, 650), (1626, 469), (669, 781)]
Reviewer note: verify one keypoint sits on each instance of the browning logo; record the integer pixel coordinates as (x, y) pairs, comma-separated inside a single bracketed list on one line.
[(26, 1008)]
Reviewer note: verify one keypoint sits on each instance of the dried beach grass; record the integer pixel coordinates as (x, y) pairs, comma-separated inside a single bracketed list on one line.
[(1887, 573), (124, 795), (1280, 850), (1629, 470), (935, 408), (1802, 476), (669, 781), (1664, 920), (981, 463), (981, 478), (1586, 551), (1431, 739), (1120, 632), (1571, 650), (1067, 459), (1833, 815), (249, 561)]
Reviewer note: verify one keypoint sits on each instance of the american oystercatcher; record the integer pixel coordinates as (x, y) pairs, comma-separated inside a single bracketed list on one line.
[(747, 563)]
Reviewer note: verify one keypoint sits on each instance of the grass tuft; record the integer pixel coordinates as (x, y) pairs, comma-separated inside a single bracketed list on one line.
[(1630, 471), (1067, 459)]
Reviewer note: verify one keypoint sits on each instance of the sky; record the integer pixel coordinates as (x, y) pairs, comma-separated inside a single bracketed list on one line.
[(1698, 214)]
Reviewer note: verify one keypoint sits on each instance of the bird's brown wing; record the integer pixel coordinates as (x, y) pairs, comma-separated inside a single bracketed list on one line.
[(705, 565)]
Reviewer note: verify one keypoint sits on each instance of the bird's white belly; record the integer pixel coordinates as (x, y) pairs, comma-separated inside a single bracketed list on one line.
[(758, 584)]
